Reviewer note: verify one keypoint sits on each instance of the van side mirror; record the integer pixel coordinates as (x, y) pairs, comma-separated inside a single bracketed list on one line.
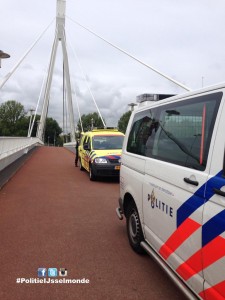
[(86, 147)]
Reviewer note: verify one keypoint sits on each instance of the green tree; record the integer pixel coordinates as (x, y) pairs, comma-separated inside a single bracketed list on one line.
[(14, 122), (11, 114), (87, 121), (52, 132), (22, 126), (123, 121)]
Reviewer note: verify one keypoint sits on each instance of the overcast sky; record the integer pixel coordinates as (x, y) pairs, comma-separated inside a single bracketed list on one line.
[(183, 39)]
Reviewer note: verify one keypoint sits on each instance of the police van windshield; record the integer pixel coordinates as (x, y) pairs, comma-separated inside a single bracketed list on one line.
[(107, 142)]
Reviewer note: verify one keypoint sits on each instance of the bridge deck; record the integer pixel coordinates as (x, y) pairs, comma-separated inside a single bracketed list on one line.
[(51, 215)]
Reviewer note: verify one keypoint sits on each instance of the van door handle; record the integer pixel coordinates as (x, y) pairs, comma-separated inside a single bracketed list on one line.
[(193, 182), (219, 192)]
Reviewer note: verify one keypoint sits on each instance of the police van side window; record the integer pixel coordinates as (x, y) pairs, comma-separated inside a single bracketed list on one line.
[(178, 133), (83, 140), (184, 131), (87, 142), (143, 127)]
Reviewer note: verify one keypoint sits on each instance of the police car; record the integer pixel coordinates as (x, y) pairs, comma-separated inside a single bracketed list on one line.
[(100, 152), (172, 188)]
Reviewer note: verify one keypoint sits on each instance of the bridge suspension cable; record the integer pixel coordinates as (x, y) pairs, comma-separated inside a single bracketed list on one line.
[(87, 84), (76, 99), (131, 56), (5, 79), (78, 109), (39, 98)]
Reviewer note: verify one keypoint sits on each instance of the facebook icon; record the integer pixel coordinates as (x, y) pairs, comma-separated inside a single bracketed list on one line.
[(42, 272)]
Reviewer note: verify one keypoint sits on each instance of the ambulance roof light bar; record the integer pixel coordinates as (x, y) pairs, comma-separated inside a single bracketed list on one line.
[(152, 97)]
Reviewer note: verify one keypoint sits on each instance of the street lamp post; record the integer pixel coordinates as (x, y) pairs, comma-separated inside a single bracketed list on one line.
[(31, 117), (3, 55), (132, 105), (38, 124)]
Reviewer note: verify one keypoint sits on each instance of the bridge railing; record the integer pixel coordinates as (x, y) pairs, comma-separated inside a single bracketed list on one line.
[(12, 148), (70, 146)]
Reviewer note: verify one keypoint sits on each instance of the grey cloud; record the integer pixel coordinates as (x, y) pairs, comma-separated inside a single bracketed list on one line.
[(183, 39)]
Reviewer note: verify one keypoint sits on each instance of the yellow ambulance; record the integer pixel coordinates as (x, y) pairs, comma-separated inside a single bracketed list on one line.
[(100, 152)]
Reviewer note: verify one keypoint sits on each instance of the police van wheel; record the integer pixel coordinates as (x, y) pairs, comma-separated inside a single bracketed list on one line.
[(91, 175), (80, 164), (134, 230)]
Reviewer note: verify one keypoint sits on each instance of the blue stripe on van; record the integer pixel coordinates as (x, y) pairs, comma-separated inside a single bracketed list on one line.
[(214, 227), (199, 198)]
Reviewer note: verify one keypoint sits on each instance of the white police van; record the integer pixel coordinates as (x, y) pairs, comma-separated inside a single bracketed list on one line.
[(172, 188)]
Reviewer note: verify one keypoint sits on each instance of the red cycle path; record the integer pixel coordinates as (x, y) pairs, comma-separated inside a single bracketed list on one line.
[(51, 215)]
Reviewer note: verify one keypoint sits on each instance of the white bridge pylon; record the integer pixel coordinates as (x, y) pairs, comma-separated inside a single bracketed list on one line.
[(60, 36)]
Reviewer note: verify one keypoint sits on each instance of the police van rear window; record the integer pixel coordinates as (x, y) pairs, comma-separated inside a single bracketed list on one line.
[(179, 132)]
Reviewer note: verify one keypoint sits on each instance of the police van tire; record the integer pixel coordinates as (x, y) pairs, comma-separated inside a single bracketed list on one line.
[(91, 175), (134, 230), (80, 164)]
